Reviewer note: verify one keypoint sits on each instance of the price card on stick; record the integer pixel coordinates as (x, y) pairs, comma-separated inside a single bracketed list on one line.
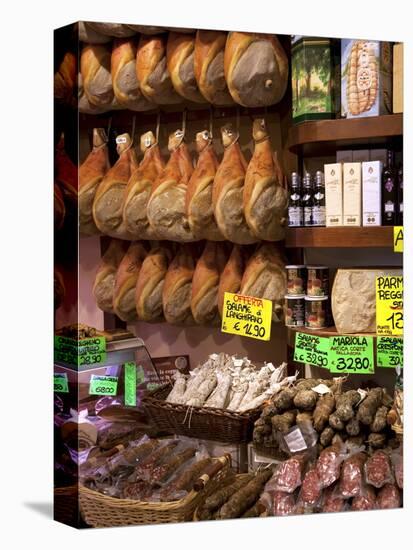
[(60, 382), (103, 385), (311, 349), (351, 354), (247, 316), (389, 351), (389, 305)]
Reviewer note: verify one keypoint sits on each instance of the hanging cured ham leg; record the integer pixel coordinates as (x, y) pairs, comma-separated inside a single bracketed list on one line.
[(199, 194), (108, 203), (124, 303), (104, 285), (265, 191), (228, 190), (91, 173)]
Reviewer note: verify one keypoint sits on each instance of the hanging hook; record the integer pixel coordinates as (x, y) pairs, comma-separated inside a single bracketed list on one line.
[(133, 128), (184, 114), (158, 125), (211, 121), (238, 118)]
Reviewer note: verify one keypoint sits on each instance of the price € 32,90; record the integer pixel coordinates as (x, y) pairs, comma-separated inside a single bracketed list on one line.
[(312, 358)]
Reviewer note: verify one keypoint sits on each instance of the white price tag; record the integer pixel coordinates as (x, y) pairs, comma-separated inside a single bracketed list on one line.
[(121, 139), (295, 441)]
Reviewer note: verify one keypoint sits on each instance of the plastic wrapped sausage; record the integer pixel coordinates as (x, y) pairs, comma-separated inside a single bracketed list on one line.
[(388, 497), (378, 469), (311, 488), (332, 501), (366, 501), (283, 504), (351, 480), (329, 464), (288, 475)]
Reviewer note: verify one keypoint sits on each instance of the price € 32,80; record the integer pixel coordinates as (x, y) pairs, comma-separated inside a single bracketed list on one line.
[(353, 364)]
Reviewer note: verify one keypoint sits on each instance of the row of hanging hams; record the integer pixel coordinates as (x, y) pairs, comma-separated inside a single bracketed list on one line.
[(184, 284), (228, 200), (140, 73)]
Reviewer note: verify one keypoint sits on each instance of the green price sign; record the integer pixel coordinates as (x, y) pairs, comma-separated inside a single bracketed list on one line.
[(389, 351), (89, 351), (130, 384), (351, 355), (103, 385), (60, 382), (311, 349)]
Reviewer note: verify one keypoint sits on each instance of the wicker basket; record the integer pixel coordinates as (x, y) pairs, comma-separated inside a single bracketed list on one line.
[(103, 511), (66, 505), (200, 422)]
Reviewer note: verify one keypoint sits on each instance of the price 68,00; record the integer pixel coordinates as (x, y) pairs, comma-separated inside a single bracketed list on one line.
[(251, 329)]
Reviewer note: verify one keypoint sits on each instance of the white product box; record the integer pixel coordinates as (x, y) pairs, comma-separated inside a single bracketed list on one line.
[(333, 179), (352, 193), (371, 172)]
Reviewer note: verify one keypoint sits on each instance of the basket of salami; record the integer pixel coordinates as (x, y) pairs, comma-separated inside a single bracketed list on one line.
[(219, 401), (151, 481)]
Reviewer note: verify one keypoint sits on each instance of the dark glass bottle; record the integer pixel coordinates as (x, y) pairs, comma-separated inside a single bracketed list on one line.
[(295, 208), (319, 207), (388, 192), (400, 196), (308, 199)]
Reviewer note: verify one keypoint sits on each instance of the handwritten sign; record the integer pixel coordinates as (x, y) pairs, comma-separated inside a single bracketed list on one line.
[(311, 349), (247, 316), (389, 305), (60, 382), (398, 238), (351, 354), (389, 351), (103, 385), (130, 383), (89, 351)]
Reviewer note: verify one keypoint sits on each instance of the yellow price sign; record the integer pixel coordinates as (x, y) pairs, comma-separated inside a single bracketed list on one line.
[(398, 238), (389, 305), (247, 316)]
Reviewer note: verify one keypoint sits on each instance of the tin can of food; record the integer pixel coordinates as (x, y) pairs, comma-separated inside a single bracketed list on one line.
[(294, 311), (296, 279), (318, 283), (316, 312)]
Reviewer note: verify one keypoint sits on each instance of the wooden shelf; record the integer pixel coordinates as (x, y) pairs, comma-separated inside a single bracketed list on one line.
[(339, 237), (328, 331), (319, 136)]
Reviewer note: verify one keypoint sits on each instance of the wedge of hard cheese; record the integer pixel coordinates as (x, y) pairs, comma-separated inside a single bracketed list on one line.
[(353, 298)]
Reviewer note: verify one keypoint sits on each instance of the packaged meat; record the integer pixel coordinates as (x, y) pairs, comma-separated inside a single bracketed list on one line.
[(311, 489), (397, 462), (388, 497), (175, 488), (332, 501), (366, 501), (163, 471), (351, 480), (288, 475), (378, 469), (329, 464), (283, 504)]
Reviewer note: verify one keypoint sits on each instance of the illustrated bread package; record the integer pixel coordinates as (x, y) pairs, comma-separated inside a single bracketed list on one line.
[(353, 298), (176, 295), (231, 277), (205, 282), (117, 30), (90, 36), (91, 173), (180, 62), (209, 67), (139, 189), (151, 280), (96, 77), (66, 173), (65, 79), (124, 304), (199, 207), (123, 70), (166, 206), (265, 191), (104, 284), (264, 277), (108, 203), (256, 68), (152, 72), (228, 190)]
